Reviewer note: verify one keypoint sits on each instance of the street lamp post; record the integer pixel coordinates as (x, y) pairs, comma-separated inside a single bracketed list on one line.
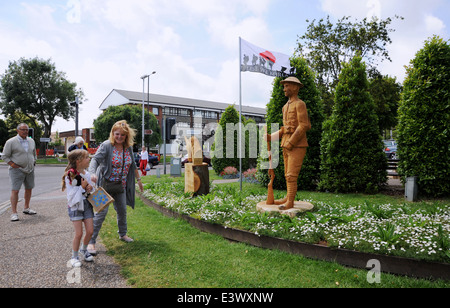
[(76, 104), (143, 102)]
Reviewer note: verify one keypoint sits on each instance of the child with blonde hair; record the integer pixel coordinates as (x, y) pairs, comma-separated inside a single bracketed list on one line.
[(78, 183)]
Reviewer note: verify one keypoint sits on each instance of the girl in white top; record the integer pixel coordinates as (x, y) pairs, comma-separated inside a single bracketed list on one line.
[(78, 183)]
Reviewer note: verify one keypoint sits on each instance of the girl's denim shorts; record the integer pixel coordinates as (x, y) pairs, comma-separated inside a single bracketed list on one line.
[(82, 215)]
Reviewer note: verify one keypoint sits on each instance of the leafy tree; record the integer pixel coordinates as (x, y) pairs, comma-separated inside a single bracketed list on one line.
[(326, 46), (424, 119), (18, 117), (386, 94), (133, 115), (35, 88), (4, 136), (310, 173), (352, 150)]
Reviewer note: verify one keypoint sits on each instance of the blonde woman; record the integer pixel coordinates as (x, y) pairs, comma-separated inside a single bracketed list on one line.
[(114, 162)]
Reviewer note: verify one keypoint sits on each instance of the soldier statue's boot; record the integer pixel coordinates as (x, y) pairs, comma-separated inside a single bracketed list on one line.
[(291, 193)]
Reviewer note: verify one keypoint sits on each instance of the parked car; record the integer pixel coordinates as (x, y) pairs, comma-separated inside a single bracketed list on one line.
[(184, 160), (390, 149), (152, 160)]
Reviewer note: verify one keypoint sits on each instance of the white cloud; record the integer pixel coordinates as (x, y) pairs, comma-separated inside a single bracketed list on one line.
[(39, 15), (17, 46), (357, 9), (226, 31), (374, 9), (434, 24)]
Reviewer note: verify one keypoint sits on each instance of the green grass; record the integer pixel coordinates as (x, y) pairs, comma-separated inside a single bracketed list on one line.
[(52, 161), (49, 161), (169, 253)]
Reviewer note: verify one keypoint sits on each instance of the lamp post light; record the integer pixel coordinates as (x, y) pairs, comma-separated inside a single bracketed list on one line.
[(76, 104), (143, 102)]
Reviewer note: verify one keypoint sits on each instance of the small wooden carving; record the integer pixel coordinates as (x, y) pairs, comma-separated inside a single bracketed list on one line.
[(195, 153), (196, 173)]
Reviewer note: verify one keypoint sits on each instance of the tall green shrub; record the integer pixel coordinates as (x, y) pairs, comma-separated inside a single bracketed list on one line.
[(224, 142), (386, 93), (310, 173), (352, 150), (424, 119)]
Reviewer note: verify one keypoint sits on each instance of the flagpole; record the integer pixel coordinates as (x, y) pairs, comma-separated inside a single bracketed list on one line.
[(240, 114)]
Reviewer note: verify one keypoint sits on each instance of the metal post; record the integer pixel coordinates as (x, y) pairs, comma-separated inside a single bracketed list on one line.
[(76, 116), (143, 105), (148, 102), (164, 140), (240, 115), (148, 97), (143, 102)]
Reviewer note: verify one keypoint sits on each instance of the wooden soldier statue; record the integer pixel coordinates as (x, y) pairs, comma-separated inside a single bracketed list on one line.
[(293, 139)]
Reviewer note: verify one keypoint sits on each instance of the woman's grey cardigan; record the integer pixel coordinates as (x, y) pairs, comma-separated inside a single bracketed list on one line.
[(101, 165)]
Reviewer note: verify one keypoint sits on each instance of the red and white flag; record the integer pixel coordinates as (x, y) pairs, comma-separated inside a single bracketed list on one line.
[(259, 60)]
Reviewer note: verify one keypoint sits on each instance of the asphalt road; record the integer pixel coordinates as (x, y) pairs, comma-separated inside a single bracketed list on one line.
[(47, 179)]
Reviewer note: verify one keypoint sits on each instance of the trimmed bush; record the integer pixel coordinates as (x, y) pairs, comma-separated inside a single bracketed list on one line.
[(424, 120), (224, 143), (352, 149)]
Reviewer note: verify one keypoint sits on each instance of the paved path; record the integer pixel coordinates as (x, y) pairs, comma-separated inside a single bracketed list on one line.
[(35, 250)]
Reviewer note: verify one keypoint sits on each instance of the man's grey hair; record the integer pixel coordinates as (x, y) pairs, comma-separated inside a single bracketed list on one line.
[(22, 124)]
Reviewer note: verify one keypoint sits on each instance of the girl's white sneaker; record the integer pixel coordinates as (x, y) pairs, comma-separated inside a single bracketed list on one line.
[(75, 262), (86, 255)]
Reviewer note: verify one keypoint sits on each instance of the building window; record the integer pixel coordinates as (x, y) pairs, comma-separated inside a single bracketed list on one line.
[(155, 111), (170, 111), (205, 114), (183, 112)]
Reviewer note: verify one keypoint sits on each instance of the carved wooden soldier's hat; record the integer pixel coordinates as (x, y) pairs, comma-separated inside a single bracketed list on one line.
[(292, 80)]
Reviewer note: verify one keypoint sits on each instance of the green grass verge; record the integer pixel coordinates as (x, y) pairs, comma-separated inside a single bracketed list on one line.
[(169, 253)]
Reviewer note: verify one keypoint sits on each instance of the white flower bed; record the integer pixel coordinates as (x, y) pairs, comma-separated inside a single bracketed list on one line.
[(394, 230)]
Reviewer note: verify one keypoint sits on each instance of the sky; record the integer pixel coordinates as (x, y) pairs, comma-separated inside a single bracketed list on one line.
[(192, 45)]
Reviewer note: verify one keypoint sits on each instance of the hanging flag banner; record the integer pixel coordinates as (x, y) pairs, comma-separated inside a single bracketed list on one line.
[(259, 60)]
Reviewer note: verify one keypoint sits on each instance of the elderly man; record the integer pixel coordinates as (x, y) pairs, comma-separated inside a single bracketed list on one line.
[(293, 138), (20, 154)]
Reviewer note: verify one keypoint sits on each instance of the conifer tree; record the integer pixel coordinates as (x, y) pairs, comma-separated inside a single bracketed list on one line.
[(352, 149), (424, 119), (224, 142)]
